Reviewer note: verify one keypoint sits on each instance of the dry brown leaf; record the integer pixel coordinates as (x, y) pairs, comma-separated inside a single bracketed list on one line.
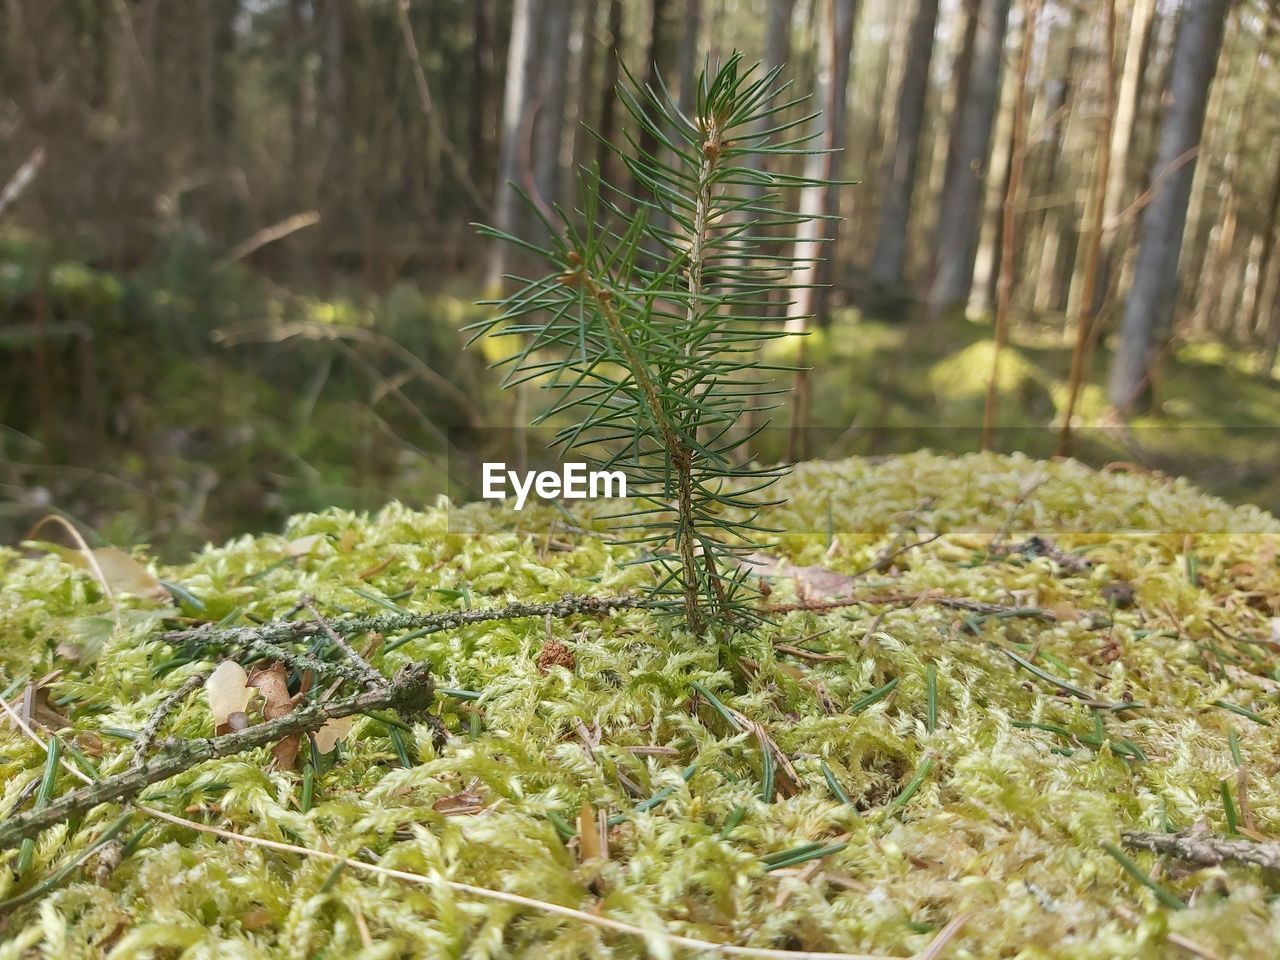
[(36, 709), (118, 571), (466, 803), (272, 683), (812, 583), (227, 691), (336, 729)]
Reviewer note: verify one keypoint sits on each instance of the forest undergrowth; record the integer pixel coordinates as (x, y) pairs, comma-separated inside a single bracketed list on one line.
[(988, 688)]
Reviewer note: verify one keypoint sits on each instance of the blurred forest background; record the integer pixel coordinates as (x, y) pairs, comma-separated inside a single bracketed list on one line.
[(236, 244)]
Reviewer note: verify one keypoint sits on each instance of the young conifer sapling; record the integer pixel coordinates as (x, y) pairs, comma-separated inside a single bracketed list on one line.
[(648, 324)]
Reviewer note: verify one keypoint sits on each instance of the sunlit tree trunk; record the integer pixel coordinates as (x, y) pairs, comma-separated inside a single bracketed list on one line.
[(982, 290), (889, 259), (1120, 179), (1269, 275), (517, 111), (1149, 310), (957, 231), (819, 202)]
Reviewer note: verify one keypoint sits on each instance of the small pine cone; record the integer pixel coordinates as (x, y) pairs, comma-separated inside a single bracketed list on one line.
[(554, 654)]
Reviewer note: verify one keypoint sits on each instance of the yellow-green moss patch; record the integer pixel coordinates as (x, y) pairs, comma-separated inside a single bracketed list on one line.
[(1001, 810)]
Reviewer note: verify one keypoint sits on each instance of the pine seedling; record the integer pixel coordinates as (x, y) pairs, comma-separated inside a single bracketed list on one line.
[(648, 326)]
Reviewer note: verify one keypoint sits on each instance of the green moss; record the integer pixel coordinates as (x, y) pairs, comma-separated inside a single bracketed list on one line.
[(1002, 810)]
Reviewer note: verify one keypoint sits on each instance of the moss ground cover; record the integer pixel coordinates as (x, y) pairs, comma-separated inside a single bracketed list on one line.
[(965, 728)]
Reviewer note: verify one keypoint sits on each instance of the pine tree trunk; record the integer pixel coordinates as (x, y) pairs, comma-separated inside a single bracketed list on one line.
[(1122, 138), (689, 63), (553, 87), (1055, 249), (608, 94), (517, 108), (480, 114), (957, 232), (1148, 313), (987, 256), (889, 260), (819, 202), (1267, 268)]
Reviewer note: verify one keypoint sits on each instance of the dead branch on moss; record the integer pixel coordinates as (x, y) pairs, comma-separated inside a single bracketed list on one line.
[(409, 693), (148, 733), (266, 639), (910, 600), (369, 677), (1208, 851)]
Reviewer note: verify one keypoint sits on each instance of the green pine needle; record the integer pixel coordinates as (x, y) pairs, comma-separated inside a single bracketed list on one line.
[(648, 326)]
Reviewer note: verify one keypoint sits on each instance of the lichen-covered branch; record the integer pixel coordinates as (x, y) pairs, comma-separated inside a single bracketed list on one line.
[(148, 734), (369, 677), (266, 639), (409, 693), (1208, 851)]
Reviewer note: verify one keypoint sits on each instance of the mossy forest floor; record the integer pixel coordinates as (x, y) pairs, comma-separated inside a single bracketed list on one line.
[(970, 737)]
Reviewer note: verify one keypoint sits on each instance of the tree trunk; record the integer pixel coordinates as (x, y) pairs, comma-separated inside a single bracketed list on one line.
[(1265, 259), (659, 63), (889, 259), (222, 106), (776, 50), (1017, 158), (818, 202), (480, 114), (690, 44), (957, 231), (584, 47), (946, 136), (550, 125), (1057, 222), (987, 256), (609, 95), (1148, 313), (1122, 138), (517, 109)]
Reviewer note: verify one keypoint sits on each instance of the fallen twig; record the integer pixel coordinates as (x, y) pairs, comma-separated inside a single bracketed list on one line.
[(409, 694), (148, 734), (371, 679), (266, 638), (902, 599), (1208, 851)]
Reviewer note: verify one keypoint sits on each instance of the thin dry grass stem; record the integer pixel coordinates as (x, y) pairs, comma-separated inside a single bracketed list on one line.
[(89, 557), (1177, 939), (933, 951)]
